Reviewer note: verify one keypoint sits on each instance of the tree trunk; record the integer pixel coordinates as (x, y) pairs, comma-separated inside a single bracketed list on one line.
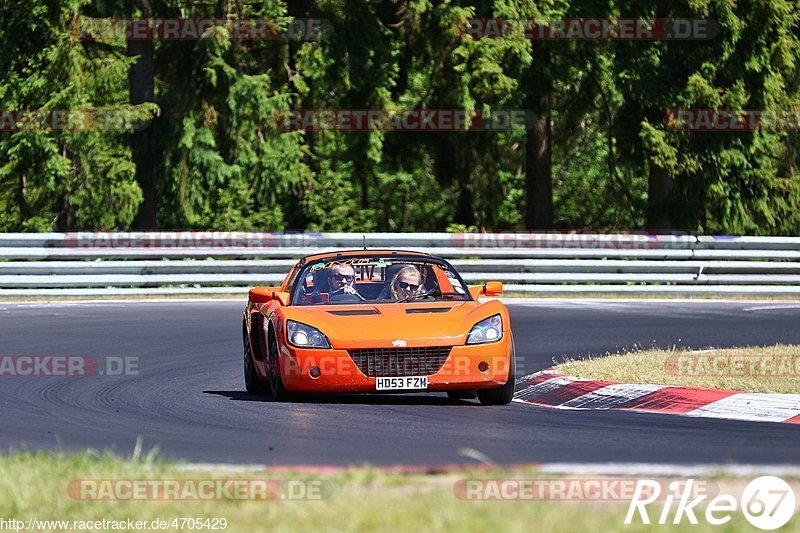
[(465, 210), (538, 155), (659, 185), (455, 160), (659, 180), (141, 83)]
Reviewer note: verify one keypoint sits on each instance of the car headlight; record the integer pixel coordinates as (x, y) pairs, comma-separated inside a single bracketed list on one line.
[(489, 330), (304, 336)]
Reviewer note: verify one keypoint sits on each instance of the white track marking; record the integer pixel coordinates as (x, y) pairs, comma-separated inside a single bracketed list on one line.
[(541, 372), (612, 396), (752, 406), (547, 386), (771, 307)]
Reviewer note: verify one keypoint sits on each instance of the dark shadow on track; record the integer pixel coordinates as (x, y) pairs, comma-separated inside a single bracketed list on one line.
[(365, 399)]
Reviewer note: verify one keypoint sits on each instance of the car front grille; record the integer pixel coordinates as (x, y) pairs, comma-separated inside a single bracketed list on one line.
[(400, 362)]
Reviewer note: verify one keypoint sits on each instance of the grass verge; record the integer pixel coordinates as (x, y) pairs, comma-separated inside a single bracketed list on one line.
[(35, 486), (747, 369)]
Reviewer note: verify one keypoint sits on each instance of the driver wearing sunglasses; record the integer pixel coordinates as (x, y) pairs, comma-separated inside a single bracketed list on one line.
[(406, 283), (341, 279)]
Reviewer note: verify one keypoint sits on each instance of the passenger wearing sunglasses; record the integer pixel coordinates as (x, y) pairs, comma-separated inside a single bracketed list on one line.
[(406, 283), (341, 279)]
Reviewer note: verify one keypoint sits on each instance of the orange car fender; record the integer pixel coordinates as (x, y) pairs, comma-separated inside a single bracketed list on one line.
[(489, 308)]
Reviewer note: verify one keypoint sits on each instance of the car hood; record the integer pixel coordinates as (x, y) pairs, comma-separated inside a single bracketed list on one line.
[(396, 325)]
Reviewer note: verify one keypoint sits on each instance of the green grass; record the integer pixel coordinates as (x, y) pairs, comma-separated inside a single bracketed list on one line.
[(364, 499), (739, 369)]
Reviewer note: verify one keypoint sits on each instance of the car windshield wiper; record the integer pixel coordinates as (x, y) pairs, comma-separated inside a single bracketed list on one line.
[(434, 292)]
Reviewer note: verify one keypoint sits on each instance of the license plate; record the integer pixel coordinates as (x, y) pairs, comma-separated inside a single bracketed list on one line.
[(406, 383)]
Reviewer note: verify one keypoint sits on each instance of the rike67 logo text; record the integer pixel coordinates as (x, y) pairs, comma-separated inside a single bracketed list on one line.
[(767, 502)]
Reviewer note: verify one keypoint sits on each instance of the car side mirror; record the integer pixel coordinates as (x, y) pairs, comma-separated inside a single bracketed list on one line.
[(262, 295), (493, 288), (490, 288)]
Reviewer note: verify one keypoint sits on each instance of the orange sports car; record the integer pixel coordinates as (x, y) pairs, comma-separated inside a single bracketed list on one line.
[(371, 321)]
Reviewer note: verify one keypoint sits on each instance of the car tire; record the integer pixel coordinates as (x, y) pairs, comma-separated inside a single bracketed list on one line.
[(504, 394), (277, 390), (252, 383)]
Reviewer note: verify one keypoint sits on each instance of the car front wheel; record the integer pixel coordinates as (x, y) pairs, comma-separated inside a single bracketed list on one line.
[(504, 394), (277, 390)]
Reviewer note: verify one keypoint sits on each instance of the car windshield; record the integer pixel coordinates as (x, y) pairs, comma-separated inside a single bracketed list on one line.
[(377, 279)]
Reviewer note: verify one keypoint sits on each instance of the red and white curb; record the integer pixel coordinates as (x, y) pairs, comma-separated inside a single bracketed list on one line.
[(553, 389)]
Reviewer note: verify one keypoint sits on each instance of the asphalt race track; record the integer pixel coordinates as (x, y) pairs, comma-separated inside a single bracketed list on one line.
[(188, 397)]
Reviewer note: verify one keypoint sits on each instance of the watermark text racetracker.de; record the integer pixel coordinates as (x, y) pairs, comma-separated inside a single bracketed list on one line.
[(566, 489), (624, 240), (731, 120), (189, 239), (406, 120), (631, 240), (59, 366), (194, 29), (590, 29), (196, 490), (454, 367), (116, 119), (732, 365)]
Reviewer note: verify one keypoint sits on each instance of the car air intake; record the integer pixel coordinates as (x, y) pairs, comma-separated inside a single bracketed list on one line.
[(400, 362), (355, 312)]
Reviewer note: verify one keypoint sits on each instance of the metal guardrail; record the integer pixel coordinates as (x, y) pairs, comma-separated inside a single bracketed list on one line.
[(87, 264)]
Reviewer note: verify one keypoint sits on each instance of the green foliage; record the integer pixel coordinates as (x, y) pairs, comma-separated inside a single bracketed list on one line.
[(723, 182), (80, 176)]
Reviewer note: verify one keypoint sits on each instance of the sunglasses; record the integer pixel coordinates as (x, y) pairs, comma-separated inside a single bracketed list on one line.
[(344, 277), (405, 286)]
